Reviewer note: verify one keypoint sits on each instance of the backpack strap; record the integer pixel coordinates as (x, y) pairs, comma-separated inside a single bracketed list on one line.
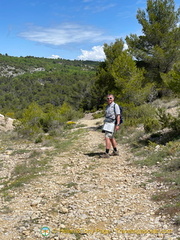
[(115, 109), (121, 117)]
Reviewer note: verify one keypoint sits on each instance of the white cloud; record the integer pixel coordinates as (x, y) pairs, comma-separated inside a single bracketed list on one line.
[(54, 56), (125, 46), (65, 34), (97, 54)]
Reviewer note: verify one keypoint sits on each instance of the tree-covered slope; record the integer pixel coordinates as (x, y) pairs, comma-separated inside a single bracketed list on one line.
[(24, 80)]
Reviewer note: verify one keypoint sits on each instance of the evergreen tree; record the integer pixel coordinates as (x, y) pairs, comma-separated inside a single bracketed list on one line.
[(105, 82), (172, 78), (120, 76), (158, 47)]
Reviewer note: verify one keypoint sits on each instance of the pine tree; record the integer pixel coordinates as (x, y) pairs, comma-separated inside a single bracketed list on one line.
[(120, 76), (172, 78), (158, 47)]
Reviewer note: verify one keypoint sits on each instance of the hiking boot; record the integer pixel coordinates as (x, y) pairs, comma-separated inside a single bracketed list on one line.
[(114, 153), (105, 155)]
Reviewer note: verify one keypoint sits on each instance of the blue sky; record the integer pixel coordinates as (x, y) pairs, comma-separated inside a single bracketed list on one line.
[(68, 29)]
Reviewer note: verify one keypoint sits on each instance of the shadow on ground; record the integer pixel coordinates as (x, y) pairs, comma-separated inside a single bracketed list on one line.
[(95, 154)]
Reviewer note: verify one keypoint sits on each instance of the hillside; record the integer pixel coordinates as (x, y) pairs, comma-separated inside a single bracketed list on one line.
[(13, 66), (27, 79), (62, 184)]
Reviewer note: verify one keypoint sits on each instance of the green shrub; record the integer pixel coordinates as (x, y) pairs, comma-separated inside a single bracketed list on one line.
[(66, 112), (167, 120), (35, 121), (171, 79), (174, 165), (30, 123), (39, 138), (10, 114), (134, 115), (175, 124), (164, 118), (151, 124)]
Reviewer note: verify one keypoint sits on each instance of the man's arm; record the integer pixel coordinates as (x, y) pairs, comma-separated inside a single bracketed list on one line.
[(117, 122)]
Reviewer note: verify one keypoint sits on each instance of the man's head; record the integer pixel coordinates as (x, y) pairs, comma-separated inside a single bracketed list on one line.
[(110, 98)]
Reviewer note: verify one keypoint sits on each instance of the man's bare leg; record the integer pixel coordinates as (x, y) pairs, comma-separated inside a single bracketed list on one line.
[(113, 142), (108, 143)]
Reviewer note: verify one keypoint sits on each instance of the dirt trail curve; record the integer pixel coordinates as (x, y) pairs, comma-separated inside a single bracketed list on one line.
[(86, 197)]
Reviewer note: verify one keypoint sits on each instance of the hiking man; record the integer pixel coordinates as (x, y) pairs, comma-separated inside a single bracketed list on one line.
[(111, 124)]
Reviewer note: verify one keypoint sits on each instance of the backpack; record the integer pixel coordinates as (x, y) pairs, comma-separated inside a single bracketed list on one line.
[(121, 111)]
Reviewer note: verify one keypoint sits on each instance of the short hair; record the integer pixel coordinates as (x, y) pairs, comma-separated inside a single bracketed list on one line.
[(110, 95)]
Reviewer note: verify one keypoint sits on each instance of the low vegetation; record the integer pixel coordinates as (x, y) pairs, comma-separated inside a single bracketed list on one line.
[(158, 148), (30, 163)]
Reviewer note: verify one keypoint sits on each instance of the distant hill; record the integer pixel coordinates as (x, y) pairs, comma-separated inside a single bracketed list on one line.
[(27, 79)]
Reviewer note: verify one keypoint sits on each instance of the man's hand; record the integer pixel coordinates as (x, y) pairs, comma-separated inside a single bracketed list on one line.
[(117, 127)]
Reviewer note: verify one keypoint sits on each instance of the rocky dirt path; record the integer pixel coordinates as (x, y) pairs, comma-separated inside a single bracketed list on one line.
[(86, 197)]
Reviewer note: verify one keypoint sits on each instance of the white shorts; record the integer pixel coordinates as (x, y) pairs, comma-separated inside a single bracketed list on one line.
[(109, 134)]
